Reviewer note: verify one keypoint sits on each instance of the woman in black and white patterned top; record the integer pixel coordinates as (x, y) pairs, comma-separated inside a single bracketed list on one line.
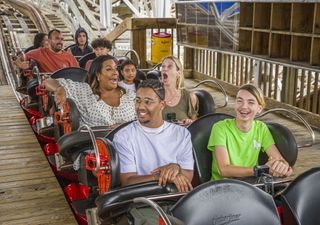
[(103, 102)]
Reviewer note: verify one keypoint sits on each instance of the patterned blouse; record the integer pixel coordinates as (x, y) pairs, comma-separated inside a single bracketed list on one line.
[(96, 112)]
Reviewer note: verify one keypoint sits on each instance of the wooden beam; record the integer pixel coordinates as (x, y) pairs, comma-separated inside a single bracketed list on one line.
[(120, 29), (139, 45)]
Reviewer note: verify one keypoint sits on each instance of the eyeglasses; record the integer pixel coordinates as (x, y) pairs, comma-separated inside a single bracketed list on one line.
[(146, 101)]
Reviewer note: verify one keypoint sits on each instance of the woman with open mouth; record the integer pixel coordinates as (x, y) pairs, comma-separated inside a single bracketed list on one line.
[(180, 103), (101, 102)]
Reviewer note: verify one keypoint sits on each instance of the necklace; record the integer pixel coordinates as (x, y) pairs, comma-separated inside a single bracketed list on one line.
[(174, 98)]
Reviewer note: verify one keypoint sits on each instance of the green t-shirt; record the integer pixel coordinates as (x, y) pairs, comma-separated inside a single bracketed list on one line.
[(243, 148)]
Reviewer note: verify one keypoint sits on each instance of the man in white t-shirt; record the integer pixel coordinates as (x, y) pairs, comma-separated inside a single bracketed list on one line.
[(151, 148)]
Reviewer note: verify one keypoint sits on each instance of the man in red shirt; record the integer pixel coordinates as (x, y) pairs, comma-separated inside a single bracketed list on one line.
[(50, 59)]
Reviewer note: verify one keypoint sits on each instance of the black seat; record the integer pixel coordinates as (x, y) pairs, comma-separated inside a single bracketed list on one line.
[(140, 76), (301, 200), (78, 141), (31, 88), (206, 102), (154, 74), (203, 157), (285, 142), (84, 59), (226, 202), (283, 138), (116, 202), (72, 73)]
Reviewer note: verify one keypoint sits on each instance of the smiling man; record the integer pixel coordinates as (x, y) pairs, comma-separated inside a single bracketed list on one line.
[(49, 59), (151, 148)]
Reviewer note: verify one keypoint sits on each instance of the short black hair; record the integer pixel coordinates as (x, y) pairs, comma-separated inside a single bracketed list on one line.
[(53, 30), (127, 62), (101, 42), (155, 85)]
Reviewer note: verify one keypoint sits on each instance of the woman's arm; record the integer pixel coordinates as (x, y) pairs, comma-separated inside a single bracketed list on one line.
[(227, 170), (194, 102), (59, 92), (279, 167)]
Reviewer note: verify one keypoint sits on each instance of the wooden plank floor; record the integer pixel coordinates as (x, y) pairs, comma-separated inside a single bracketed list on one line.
[(29, 191), (308, 157)]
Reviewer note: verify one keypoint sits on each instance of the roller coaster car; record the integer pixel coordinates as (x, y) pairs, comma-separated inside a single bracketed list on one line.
[(301, 200), (285, 142)]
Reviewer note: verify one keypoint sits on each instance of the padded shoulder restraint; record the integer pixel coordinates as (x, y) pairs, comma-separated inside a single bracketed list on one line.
[(206, 102), (226, 202), (72, 73), (76, 141), (285, 142), (84, 59), (115, 200), (301, 200)]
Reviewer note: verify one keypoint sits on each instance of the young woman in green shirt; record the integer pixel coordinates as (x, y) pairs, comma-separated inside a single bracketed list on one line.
[(236, 143)]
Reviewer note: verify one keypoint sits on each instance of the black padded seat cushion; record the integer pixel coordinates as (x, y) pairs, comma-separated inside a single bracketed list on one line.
[(203, 157), (109, 201), (154, 74), (31, 88), (206, 102), (111, 134), (285, 142), (84, 59), (72, 73), (226, 202), (76, 140), (301, 200)]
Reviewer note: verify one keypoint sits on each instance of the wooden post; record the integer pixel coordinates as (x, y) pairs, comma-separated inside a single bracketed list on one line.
[(188, 62), (220, 68), (139, 43)]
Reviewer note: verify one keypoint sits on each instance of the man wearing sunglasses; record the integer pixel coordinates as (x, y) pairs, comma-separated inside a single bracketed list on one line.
[(151, 148)]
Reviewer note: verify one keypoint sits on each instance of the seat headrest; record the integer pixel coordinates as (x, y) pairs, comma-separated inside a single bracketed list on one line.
[(111, 134), (84, 59), (113, 199), (31, 88), (203, 157), (285, 142), (122, 59), (301, 199), (78, 141), (140, 75), (226, 202), (154, 74), (72, 73), (206, 102)]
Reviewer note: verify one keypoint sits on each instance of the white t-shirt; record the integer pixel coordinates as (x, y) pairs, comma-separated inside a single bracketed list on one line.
[(96, 112), (131, 87), (143, 149)]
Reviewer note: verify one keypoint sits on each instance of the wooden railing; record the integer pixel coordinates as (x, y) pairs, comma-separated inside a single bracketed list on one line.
[(286, 85)]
